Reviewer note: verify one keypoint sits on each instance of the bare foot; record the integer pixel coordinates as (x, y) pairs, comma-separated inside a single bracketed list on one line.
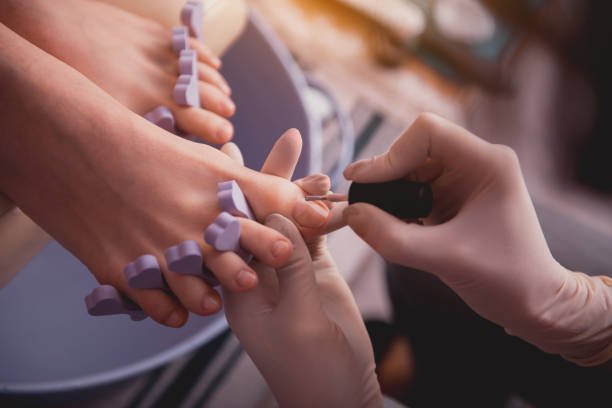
[(110, 199), (128, 56)]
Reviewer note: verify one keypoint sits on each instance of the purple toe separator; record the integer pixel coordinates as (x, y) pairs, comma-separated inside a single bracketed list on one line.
[(180, 38), (186, 91), (224, 233), (232, 199), (162, 117), (144, 273), (185, 258), (188, 63), (191, 16), (105, 300)]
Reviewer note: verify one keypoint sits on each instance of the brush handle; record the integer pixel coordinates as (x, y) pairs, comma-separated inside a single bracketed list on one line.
[(402, 198)]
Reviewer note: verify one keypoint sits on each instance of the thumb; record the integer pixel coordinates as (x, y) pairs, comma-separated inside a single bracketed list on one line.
[(297, 287), (406, 244)]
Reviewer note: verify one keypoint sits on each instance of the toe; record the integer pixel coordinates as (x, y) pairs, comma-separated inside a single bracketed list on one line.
[(208, 126)]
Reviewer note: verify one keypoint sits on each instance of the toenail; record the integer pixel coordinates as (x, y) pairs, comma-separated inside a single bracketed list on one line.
[(210, 303), (280, 248), (225, 131), (246, 279), (225, 88), (309, 215), (229, 105), (175, 319)]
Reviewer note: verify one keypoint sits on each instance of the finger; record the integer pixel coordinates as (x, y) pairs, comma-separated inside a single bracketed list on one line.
[(208, 74), (265, 244), (240, 307), (430, 136), (428, 172), (231, 271), (206, 125), (233, 151), (406, 244), (315, 184), (214, 100), (284, 155), (205, 55), (297, 288)]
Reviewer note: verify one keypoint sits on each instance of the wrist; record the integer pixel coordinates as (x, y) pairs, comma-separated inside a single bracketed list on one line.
[(588, 320), (576, 322)]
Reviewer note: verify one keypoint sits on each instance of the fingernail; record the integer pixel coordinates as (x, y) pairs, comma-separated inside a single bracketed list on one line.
[(216, 61), (225, 132), (175, 319), (210, 303), (354, 169), (246, 279), (280, 248)]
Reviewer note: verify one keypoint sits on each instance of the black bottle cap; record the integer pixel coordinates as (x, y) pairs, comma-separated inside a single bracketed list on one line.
[(401, 198)]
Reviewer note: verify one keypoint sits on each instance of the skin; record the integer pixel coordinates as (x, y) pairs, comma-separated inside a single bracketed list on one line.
[(128, 56), (109, 198)]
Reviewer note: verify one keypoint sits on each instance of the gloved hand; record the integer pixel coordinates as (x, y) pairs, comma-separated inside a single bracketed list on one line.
[(483, 240), (303, 330)]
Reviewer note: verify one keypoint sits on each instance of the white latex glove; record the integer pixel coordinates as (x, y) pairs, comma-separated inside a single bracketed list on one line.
[(483, 239), (303, 330)]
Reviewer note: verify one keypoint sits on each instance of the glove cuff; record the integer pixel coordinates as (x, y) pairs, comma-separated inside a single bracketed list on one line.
[(578, 323)]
